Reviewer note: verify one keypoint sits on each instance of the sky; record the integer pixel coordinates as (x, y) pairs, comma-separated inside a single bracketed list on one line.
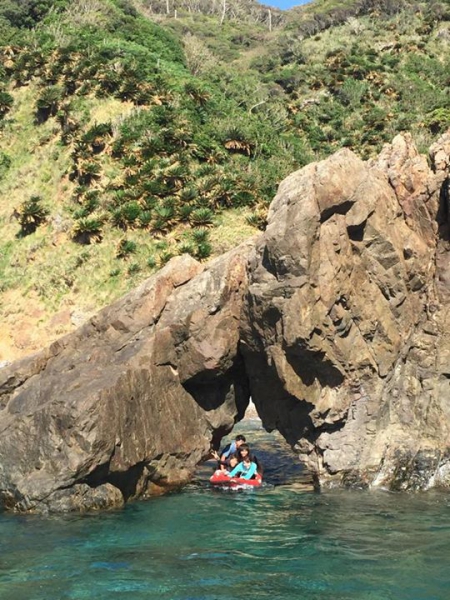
[(284, 4)]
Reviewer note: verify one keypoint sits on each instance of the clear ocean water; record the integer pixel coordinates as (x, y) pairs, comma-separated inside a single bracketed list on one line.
[(281, 542)]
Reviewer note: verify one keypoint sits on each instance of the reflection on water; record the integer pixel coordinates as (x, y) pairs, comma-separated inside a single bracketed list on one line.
[(275, 543)]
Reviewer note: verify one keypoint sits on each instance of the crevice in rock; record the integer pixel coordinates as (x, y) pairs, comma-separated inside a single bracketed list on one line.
[(210, 388), (339, 209), (270, 265), (294, 421), (127, 481), (330, 427), (356, 232), (310, 365), (443, 214), (96, 477)]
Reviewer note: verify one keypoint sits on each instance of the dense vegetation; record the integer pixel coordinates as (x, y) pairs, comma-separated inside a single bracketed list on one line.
[(131, 132)]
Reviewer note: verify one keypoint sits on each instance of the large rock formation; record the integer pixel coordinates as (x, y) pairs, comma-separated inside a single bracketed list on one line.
[(128, 404), (345, 334), (335, 320)]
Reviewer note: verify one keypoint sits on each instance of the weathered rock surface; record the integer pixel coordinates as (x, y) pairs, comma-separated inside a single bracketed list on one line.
[(128, 404), (336, 320), (345, 333)]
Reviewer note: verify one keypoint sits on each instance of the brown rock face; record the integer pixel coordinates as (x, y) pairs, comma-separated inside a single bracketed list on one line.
[(127, 405), (336, 320), (345, 329)]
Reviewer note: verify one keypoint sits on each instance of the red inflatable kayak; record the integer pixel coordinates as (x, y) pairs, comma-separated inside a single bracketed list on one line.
[(222, 479)]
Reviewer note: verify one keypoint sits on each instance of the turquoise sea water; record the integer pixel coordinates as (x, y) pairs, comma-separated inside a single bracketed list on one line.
[(279, 542)]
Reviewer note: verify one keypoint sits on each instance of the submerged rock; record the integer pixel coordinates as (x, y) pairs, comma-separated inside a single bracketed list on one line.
[(335, 320)]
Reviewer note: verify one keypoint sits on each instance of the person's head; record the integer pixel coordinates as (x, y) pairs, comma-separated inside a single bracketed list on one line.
[(239, 440), (244, 452), (233, 461)]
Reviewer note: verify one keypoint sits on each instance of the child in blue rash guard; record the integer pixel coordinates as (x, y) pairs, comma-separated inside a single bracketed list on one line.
[(247, 468)]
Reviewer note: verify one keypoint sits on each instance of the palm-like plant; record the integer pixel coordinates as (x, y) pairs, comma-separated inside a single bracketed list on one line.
[(165, 256), (97, 136), (131, 212), (199, 94), (204, 250), (30, 215), (163, 218), (258, 218), (201, 217), (237, 140), (6, 102), (125, 248), (48, 102), (184, 212), (127, 216), (87, 171), (87, 230), (145, 218), (199, 235)]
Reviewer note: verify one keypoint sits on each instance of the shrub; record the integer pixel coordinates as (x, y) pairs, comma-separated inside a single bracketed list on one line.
[(202, 216), (87, 230), (5, 163), (352, 92), (438, 120), (31, 214), (6, 102), (125, 248), (133, 268), (47, 103), (203, 250)]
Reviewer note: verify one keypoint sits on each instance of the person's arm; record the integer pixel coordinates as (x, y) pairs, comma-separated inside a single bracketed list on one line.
[(251, 471), (225, 452), (237, 469)]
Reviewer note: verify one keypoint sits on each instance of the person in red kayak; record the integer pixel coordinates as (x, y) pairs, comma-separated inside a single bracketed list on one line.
[(228, 454), (247, 467)]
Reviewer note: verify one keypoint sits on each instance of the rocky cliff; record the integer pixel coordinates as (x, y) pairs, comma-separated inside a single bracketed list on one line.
[(335, 320), (345, 333), (130, 403)]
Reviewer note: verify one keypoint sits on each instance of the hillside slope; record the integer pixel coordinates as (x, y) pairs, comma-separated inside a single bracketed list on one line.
[(131, 133)]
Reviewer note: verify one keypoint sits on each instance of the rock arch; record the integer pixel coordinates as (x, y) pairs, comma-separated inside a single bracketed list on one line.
[(334, 320)]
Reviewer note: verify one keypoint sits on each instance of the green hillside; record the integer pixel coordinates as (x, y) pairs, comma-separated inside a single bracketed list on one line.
[(133, 132)]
